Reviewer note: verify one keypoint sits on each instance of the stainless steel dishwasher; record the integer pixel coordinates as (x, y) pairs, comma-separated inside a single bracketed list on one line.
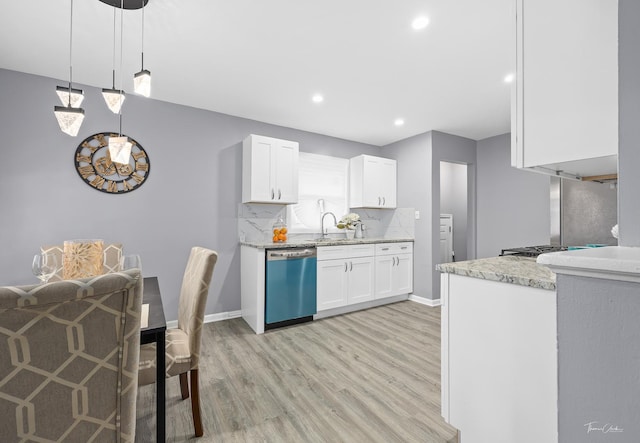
[(290, 286)]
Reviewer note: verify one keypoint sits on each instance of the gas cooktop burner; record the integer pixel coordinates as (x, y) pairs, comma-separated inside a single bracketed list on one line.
[(532, 251)]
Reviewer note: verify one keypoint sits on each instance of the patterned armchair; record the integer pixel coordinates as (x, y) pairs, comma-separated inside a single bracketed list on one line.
[(69, 355), (112, 256)]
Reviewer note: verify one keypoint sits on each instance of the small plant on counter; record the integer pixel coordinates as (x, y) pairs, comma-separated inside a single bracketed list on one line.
[(349, 221)]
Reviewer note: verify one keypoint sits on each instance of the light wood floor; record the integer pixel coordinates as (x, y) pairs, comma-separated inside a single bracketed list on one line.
[(368, 376)]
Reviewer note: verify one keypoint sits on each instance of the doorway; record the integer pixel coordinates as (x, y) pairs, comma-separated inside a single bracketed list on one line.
[(454, 203), (447, 254)]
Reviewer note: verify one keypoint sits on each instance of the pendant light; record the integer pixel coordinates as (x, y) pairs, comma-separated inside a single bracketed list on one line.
[(120, 147), (114, 97), (142, 79), (70, 117)]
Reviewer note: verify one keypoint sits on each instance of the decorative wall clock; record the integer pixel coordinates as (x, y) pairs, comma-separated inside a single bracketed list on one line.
[(95, 167)]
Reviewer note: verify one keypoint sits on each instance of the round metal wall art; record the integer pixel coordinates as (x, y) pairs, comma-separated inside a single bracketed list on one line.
[(94, 166)]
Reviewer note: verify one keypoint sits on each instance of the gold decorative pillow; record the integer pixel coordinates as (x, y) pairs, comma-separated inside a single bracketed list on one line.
[(111, 259)]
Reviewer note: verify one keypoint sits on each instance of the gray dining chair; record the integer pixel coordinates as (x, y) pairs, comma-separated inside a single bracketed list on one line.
[(183, 343)]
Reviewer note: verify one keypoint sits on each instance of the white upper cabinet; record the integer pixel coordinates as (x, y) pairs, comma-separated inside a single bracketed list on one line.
[(565, 96), (269, 170), (372, 182)]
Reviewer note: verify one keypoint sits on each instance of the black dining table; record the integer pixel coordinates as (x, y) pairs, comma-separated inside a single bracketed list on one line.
[(154, 332)]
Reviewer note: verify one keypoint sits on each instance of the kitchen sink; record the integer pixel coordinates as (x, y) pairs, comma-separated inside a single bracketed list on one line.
[(326, 240)]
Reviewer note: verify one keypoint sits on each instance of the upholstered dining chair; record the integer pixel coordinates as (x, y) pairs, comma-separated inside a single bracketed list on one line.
[(112, 256), (183, 343), (69, 359)]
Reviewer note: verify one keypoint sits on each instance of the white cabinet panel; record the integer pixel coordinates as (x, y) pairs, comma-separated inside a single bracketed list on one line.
[(373, 182), (384, 276), (269, 170), (403, 274), (345, 275), (332, 284), (499, 359), (360, 279), (394, 269), (565, 97)]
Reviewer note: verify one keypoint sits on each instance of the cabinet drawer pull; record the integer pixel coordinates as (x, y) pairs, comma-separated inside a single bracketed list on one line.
[(403, 247), (384, 249)]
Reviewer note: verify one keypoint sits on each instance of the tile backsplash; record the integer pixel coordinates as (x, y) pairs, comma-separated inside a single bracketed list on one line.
[(255, 222)]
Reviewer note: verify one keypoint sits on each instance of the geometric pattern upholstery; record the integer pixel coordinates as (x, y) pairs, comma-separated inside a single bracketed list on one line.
[(69, 354), (111, 262), (183, 344)]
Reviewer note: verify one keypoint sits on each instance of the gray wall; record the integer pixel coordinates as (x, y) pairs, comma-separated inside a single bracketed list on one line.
[(629, 116), (190, 198), (589, 211), (598, 359), (453, 200), (414, 190), (513, 204)]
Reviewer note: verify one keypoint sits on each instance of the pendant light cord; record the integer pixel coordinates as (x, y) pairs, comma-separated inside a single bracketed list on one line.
[(70, 50), (113, 64), (142, 48), (121, 39)]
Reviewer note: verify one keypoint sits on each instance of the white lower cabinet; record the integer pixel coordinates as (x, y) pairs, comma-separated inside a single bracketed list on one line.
[(345, 275), (394, 269), (499, 357)]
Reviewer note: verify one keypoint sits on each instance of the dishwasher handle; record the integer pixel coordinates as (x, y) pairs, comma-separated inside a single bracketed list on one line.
[(290, 254)]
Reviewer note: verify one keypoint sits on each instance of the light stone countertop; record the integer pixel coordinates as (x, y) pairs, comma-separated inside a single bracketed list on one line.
[(509, 269), (309, 243), (611, 262)]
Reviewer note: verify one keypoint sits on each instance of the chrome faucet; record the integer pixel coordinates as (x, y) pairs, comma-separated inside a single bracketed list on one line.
[(335, 222)]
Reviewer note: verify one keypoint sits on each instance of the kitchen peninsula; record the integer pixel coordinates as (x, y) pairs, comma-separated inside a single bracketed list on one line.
[(499, 351)]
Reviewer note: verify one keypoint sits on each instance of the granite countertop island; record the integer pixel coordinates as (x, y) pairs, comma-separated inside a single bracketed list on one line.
[(508, 269), (312, 243)]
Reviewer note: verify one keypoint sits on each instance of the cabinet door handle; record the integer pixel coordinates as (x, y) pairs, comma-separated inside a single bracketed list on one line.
[(384, 202), (394, 261), (346, 266), (273, 195), (351, 268), (378, 201), (279, 194)]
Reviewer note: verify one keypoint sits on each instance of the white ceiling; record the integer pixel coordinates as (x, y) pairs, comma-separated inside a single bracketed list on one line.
[(263, 60)]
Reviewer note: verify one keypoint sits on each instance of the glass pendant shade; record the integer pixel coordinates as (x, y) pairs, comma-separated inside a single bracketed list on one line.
[(120, 149), (69, 119), (114, 99), (142, 83), (77, 95)]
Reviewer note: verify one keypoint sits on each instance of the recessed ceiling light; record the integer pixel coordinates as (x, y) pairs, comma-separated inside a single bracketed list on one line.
[(420, 23), (509, 78), (398, 122), (317, 98)]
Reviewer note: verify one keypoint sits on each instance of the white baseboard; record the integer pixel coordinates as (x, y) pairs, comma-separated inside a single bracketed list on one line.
[(210, 318), (425, 301)]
